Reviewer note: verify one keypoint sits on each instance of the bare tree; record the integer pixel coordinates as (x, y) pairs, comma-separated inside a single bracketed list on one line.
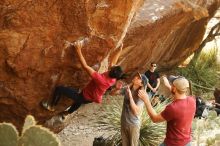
[(214, 32)]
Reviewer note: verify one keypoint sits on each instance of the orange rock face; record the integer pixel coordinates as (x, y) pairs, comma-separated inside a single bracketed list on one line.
[(33, 58)]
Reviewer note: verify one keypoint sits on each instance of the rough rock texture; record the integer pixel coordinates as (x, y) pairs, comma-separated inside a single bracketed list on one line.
[(166, 32), (33, 58)]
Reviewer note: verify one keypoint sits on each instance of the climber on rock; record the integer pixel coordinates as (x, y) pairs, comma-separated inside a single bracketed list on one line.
[(94, 90)]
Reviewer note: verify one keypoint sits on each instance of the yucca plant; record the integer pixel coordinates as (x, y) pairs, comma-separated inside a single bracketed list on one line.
[(203, 73), (150, 133)]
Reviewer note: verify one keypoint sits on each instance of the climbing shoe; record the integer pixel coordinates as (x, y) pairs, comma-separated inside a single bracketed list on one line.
[(47, 106)]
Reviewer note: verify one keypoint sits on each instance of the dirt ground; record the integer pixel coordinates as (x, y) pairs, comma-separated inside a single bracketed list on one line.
[(83, 127)]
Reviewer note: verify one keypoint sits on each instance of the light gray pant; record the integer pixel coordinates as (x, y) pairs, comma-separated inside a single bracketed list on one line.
[(163, 144), (130, 134)]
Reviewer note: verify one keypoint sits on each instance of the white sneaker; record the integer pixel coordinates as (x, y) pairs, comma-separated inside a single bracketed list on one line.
[(47, 106)]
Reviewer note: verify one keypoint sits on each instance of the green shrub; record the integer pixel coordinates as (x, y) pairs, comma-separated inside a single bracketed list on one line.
[(203, 73)]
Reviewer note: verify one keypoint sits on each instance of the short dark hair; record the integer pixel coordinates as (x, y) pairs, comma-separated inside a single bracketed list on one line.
[(153, 64), (116, 72)]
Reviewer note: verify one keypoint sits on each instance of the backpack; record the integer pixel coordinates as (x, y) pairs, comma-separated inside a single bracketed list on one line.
[(100, 141)]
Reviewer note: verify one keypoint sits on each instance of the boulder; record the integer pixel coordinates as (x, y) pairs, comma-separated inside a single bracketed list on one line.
[(166, 32), (34, 59)]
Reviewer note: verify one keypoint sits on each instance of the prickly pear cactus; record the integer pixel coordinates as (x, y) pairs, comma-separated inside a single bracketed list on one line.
[(32, 135), (8, 135), (38, 136), (29, 121)]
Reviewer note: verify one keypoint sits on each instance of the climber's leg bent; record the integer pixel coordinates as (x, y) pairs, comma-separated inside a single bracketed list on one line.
[(62, 91), (77, 103), (74, 106)]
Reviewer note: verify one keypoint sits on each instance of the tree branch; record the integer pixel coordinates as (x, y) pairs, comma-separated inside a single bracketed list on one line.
[(215, 31)]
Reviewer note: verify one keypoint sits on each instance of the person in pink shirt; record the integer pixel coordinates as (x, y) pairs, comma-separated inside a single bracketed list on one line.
[(93, 91), (179, 114)]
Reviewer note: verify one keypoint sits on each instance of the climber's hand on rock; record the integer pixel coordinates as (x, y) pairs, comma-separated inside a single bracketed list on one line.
[(78, 45), (121, 46), (67, 44)]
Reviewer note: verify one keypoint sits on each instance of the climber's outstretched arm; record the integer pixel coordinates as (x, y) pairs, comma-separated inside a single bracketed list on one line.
[(78, 47), (116, 56)]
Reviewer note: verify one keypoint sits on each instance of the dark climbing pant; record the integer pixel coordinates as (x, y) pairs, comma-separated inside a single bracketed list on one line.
[(70, 93)]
